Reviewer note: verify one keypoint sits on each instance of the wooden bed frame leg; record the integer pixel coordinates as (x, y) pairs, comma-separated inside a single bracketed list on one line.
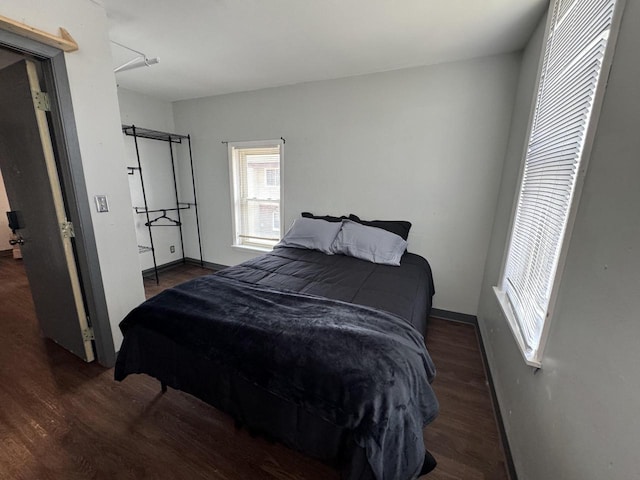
[(163, 387)]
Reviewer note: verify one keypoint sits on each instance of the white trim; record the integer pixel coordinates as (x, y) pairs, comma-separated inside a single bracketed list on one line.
[(533, 358), (232, 190), (281, 207), (232, 185), (251, 249)]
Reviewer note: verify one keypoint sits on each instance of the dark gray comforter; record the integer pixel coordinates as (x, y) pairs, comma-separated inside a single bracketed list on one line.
[(406, 290)]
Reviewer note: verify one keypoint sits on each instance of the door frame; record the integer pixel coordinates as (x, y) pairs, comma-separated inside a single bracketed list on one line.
[(65, 138)]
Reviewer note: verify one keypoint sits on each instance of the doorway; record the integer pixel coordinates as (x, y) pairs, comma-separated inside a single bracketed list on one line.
[(6, 59), (51, 72)]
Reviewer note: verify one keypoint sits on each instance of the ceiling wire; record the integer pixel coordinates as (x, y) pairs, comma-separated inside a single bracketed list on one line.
[(128, 48), (141, 60)]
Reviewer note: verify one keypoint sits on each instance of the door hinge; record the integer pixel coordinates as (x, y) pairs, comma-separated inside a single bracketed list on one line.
[(42, 101), (87, 334), (67, 230)]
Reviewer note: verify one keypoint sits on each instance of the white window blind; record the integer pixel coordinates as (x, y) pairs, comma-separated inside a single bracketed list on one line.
[(256, 188), (571, 68)]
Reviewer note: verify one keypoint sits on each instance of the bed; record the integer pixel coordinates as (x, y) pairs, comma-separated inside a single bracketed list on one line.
[(322, 352)]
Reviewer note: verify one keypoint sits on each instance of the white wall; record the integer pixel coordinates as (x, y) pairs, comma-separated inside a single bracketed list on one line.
[(577, 418), (93, 92), (423, 144), (5, 233), (148, 112)]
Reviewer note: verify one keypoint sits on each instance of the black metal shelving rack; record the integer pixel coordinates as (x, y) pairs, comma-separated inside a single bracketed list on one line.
[(171, 138)]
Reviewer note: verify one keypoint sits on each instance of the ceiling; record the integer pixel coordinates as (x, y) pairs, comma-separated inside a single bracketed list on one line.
[(213, 47)]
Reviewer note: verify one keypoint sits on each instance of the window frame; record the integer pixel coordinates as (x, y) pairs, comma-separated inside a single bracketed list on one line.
[(234, 193), (535, 358), (273, 221)]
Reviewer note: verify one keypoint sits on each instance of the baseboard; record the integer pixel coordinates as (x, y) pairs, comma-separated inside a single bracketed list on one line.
[(191, 261), (163, 267), (205, 264), (454, 316), (496, 408)]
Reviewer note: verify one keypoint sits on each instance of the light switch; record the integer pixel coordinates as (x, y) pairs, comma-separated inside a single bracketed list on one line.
[(101, 203)]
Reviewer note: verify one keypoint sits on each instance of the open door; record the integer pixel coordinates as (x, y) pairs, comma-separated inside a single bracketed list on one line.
[(33, 188)]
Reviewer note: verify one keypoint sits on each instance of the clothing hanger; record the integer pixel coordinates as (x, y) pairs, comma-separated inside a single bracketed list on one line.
[(164, 215)]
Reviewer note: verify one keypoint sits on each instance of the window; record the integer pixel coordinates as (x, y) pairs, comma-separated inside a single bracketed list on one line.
[(255, 193), (272, 177), (567, 91)]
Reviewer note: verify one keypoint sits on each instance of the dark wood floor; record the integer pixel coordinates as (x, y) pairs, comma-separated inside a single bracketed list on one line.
[(63, 419)]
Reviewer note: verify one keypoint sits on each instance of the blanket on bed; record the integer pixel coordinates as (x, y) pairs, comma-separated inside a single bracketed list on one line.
[(355, 366)]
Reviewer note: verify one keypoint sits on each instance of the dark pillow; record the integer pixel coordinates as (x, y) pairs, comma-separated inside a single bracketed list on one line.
[(328, 218), (399, 227)]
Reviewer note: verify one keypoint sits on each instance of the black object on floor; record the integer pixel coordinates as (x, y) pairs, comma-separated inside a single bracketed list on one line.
[(428, 464)]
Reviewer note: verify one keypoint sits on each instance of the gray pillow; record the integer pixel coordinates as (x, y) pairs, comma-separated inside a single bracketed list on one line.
[(311, 234), (369, 243)]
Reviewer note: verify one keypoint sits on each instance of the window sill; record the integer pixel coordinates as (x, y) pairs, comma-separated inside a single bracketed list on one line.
[(246, 248), (530, 357)]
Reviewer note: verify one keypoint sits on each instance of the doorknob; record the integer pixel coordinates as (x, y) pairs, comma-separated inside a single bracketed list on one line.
[(16, 241)]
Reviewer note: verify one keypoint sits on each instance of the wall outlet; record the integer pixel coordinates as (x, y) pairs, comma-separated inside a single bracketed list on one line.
[(172, 249)]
